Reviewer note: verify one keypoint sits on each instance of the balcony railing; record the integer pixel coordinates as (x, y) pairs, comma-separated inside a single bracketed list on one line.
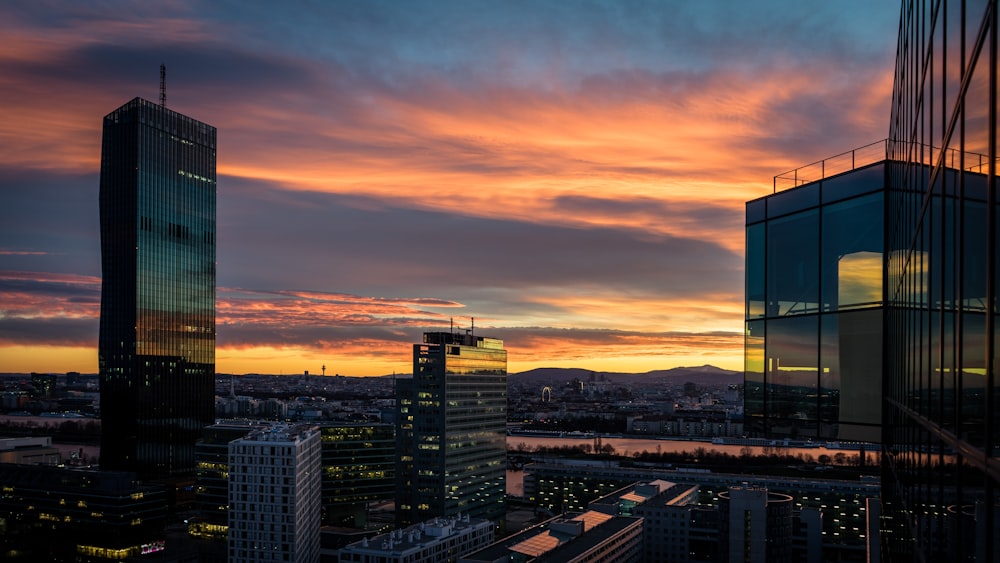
[(838, 164), (877, 152)]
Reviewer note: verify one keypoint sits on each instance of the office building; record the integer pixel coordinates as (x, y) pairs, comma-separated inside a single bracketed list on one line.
[(358, 462), (832, 513), (157, 334), (60, 514), (928, 347), (451, 429), (666, 512), (211, 487), (439, 540), (590, 536), (814, 304), (941, 477), (756, 525), (274, 495), (29, 450)]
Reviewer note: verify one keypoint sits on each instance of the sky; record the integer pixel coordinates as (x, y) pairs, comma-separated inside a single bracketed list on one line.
[(567, 175)]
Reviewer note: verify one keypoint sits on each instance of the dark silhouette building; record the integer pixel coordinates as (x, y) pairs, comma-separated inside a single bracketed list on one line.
[(451, 433), (157, 336), (82, 515)]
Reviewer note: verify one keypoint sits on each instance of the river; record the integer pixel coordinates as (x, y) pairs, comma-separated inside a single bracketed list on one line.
[(630, 446)]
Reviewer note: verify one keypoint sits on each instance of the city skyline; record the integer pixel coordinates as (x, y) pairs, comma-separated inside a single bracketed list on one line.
[(571, 176)]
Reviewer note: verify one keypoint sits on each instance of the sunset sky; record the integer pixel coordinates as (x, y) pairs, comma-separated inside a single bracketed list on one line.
[(571, 174)]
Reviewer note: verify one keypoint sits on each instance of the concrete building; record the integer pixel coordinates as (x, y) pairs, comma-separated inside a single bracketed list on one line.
[(29, 450), (274, 495), (590, 536), (842, 532), (157, 334), (667, 522), (61, 514), (756, 526), (439, 540), (451, 429)]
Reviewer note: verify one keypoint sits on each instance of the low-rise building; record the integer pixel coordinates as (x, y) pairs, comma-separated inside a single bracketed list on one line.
[(74, 514), (440, 540), (587, 537)]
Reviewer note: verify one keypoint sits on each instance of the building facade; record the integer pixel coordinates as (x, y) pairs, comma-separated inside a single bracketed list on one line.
[(211, 487), (451, 429), (358, 462), (83, 515), (274, 495), (157, 335), (814, 304), (842, 504), (756, 526), (588, 537), (941, 476), (439, 540)]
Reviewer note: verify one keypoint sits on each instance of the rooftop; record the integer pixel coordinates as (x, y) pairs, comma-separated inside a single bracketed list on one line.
[(877, 152)]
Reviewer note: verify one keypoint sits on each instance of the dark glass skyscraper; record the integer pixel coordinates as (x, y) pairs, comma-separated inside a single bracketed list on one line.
[(157, 338), (814, 306), (933, 327), (941, 473), (451, 449)]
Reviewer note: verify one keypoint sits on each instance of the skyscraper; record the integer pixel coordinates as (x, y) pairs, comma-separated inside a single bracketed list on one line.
[(936, 345), (157, 337), (451, 429), (814, 304), (941, 472)]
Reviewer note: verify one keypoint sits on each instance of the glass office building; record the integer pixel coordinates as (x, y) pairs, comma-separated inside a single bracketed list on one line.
[(358, 466), (942, 423), (451, 455), (157, 336), (814, 304)]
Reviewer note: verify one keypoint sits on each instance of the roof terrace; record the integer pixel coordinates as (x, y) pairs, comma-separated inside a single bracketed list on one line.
[(877, 152)]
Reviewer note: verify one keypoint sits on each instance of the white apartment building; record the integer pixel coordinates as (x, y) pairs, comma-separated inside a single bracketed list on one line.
[(275, 495)]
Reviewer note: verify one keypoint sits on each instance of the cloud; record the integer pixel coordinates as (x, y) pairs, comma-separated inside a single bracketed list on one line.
[(571, 174)]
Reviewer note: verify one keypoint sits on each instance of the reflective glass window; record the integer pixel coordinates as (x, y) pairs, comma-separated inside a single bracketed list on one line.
[(793, 200), (753, 387), (792, 358), (852, 253), (755, 278), (793, 264), (856, 182)]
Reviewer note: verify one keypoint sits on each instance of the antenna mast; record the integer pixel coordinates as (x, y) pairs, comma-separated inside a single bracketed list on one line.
[(163, 85)]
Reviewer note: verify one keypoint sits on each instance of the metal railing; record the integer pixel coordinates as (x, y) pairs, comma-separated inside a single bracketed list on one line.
[(837, 164), (878, 151)]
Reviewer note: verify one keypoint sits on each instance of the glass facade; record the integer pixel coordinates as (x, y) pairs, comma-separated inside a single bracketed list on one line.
[(940, 468), (452, 430), (157, 336), (358, 469), (814, 308)]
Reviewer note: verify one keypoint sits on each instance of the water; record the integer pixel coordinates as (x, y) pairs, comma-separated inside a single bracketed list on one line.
[(629, 446)]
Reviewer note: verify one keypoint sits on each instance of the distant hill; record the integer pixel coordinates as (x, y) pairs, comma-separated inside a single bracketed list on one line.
[(705, 375)]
